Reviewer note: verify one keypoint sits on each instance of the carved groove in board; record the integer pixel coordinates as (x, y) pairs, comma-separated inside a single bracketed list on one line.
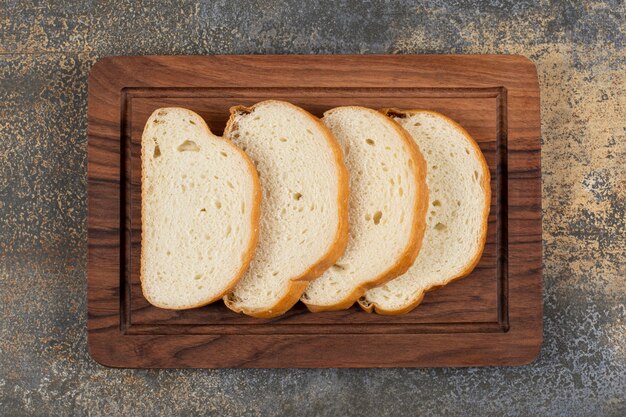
[(501, 179), (271, 328), (271, 92), (133, 180), (125, 211)]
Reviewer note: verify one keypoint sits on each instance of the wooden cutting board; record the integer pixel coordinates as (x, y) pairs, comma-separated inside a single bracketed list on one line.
[(492, 317)]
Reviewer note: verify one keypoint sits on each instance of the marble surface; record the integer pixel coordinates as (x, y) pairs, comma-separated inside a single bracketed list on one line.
[(46, 51)]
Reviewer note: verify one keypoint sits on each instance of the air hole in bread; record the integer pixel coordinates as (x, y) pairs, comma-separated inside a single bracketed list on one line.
[(230, 184), (458, 203), (188, 146), (395, 114), (429, 152), (168, 253), (231, 297), (198, 277), (392, 181), (434, 167), (370, 142), (183, 188), (452, 154), (203, 210), (283, 139), (400, 191), (467, 151), (224, 154), (162, 113), (218, 204), (441, 227), (157, 151), (243, 207), (475, 175), (339, 267), (274, 273), (297, 196), (309, 132), (416, 124), (377, 217), (192, 122), (228, 230), (437, 203)]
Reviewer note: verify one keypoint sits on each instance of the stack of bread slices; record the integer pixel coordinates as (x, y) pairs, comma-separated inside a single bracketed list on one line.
[(363, 206)]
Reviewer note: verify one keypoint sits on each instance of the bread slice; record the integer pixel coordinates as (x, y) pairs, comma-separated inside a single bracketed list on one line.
[(200, 210), (458, 180), (388, 202), (304, 214)]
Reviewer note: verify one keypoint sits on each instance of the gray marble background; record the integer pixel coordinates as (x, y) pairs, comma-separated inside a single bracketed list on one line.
[(46, 51)]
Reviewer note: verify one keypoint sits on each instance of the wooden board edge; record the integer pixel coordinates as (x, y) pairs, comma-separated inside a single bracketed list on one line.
[(114, 335)]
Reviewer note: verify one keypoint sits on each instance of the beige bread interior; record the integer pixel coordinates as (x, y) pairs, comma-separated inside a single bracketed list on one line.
[(388, 199), (200, 210), (303, 226), (459, 185)]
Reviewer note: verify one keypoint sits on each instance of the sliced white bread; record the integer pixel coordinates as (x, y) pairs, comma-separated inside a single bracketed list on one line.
[(458, 181), (388, 202), (200, 211), (304, 215)]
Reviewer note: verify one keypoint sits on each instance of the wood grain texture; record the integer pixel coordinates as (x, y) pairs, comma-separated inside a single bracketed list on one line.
[(492, 317)]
